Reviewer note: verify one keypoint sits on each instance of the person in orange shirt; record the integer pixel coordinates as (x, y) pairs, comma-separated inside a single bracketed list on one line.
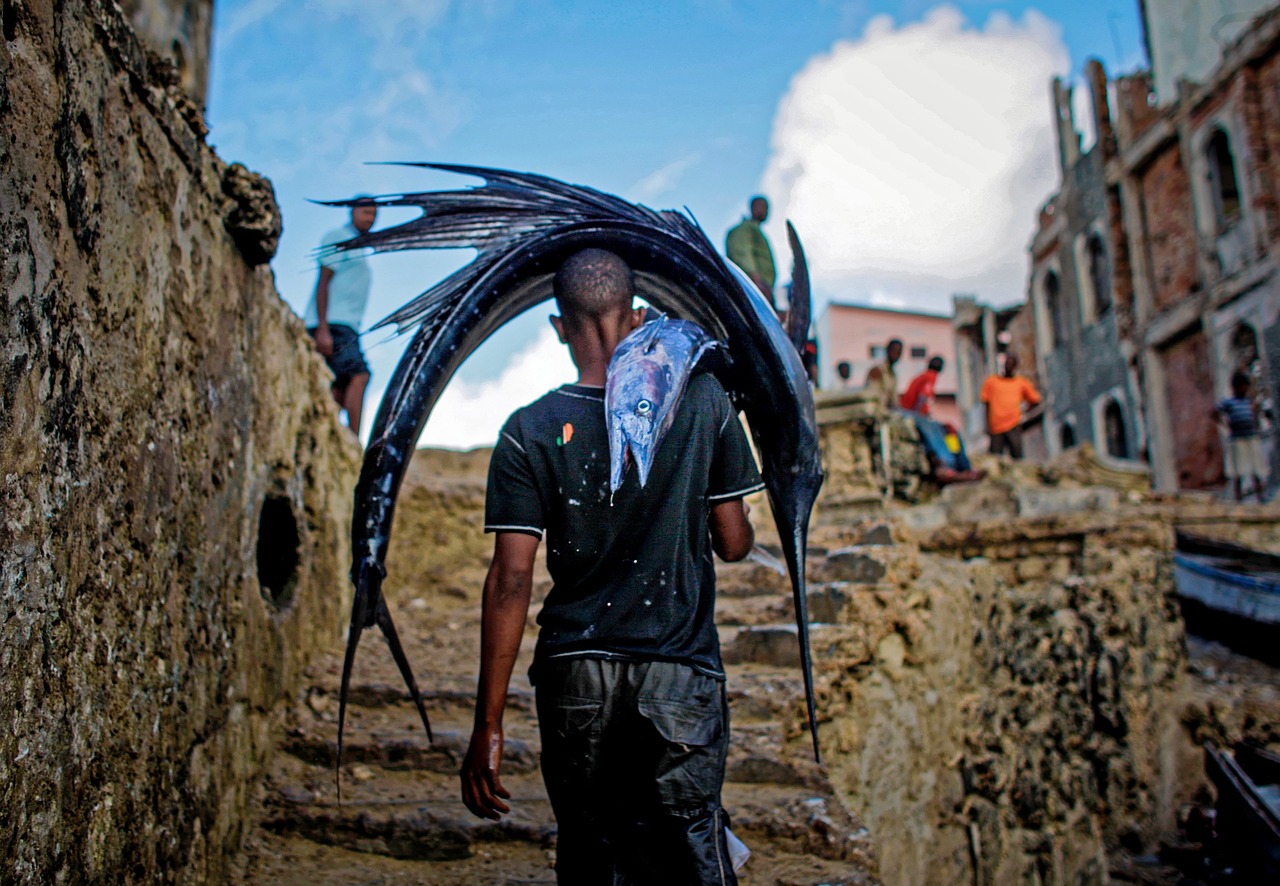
[(1004, 396)]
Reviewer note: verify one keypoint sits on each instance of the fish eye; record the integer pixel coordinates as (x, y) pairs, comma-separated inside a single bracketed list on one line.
[(643, 407)]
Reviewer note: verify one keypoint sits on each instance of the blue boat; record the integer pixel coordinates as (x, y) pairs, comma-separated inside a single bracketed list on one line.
[(1228, 579)]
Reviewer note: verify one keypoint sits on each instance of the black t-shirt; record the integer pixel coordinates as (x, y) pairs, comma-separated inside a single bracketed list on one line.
[(633, 577)]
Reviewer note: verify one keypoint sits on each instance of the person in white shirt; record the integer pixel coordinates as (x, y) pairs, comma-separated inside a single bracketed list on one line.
[(336, 310)]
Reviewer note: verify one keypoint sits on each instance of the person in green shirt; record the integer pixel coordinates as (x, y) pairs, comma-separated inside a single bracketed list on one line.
[(747, 248)]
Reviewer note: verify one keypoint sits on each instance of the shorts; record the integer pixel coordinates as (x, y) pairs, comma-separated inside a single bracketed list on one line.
[(346, 361), (1245, 458), (633, 755), (1010, 441)]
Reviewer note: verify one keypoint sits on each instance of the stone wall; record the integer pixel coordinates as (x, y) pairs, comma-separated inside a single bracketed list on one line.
[(998, 718), (174, 486), (1008, 701)]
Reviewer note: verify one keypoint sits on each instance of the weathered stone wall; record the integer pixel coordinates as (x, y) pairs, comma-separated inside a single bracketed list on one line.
[(1008, 700), (997, 719), (166, 436)]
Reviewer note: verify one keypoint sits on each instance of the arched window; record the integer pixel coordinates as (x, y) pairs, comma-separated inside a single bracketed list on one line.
[(1054, 303), (1222, 179), (1244, 349), (1067, 435), (1099, 274), (1113, 425)]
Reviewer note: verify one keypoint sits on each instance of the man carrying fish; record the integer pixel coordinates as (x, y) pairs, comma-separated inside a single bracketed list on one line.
[(630, 686)]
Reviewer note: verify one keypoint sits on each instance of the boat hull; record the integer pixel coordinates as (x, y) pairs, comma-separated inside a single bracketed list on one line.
[(1201, 578)]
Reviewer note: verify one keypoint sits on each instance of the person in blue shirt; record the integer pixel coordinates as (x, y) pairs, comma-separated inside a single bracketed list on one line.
[(336, 310), (1239, 415)]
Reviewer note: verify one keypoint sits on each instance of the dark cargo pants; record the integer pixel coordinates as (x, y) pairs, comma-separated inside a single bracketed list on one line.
[(633, 755)]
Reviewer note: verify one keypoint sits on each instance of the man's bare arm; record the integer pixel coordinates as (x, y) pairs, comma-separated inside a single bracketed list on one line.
[(505, 606), (324, 338), (731, 532)]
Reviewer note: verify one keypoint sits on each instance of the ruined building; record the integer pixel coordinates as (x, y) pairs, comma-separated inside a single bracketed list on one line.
[(1154, 266)]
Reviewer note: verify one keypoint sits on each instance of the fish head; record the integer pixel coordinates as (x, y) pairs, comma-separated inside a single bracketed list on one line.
[(638, 407), (644, 384)]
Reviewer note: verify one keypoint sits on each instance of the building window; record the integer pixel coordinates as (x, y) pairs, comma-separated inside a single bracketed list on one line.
[(918, 352), (1099, 274), (1055, 304), (1067, 435), (1222, 179), (1113, 425), (1244, 349), (877, 352)]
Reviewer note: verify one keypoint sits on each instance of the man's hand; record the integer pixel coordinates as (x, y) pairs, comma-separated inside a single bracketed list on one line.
[(324, 340), (482, 790)]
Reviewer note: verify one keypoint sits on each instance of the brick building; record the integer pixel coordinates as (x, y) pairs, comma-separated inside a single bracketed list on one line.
[(1154, 267)]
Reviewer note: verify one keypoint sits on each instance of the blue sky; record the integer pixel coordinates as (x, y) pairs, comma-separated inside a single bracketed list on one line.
[(911, 142)]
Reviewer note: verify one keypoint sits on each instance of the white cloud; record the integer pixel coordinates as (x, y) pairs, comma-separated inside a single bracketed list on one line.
[(245, 17), (470, 414), (915, 158), (664, 179)]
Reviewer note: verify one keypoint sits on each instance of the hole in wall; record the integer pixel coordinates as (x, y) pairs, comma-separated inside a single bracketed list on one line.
[(278, 545), (9, 20)]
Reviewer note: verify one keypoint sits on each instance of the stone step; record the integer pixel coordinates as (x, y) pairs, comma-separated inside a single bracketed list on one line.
[(749, 579), (778, 645), (868, 564), (440, 694), (408, 817), (759, 755), (403, 815), (762, 695), (736, 611), (786, 821), (288, 859), (402, 749)]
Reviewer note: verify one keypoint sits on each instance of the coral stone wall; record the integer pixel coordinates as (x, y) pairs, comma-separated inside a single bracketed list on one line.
[(166, 441), (1006, 712)]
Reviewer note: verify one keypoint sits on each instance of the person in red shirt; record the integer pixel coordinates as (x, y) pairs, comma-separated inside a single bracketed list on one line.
[(919, 395), (1004, 396)]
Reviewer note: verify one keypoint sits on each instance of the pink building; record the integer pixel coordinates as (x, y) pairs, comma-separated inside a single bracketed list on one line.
[(857, 334)]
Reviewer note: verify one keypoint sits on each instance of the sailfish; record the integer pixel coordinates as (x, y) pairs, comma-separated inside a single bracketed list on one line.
[(523, 226)]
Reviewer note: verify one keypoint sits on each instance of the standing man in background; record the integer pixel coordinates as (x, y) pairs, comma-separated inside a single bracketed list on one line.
[(747, 248), (1239, 415), (1004, 396), (336, 310), (883, 377)]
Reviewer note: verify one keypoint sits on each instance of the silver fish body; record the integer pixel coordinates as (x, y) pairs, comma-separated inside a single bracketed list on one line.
[(643, 387)]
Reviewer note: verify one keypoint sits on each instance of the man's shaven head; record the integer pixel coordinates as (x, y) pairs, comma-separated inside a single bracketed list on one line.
[(593, 283)]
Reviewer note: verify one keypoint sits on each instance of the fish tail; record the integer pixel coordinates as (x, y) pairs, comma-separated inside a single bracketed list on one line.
[(353, 641), (388, 627), (800, 593)]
